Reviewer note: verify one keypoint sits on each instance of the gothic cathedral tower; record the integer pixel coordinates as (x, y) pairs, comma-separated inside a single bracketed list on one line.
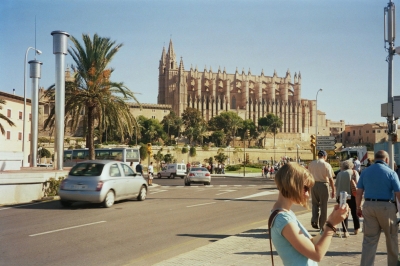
[(172, 81)]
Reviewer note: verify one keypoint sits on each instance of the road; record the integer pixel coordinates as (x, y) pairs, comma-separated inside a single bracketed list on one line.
[(173, 219)]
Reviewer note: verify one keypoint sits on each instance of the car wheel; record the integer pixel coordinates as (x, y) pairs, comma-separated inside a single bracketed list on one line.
[(109, 199), (172, 176), (187, 184), (142, 193), (66, 203), (159, 175), (207, 183)]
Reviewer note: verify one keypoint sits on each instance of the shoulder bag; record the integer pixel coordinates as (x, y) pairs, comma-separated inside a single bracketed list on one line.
[(270, 222)]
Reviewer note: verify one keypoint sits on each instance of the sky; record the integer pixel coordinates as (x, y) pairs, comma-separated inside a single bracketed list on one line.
[(335, 45)]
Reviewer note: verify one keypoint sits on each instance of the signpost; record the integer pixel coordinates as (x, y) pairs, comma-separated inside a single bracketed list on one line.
[(326, 143)]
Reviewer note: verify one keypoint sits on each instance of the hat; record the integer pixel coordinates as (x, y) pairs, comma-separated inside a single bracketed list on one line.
[(322, 153)]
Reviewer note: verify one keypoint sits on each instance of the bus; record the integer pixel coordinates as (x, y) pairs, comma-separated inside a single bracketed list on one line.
[(126, 155)]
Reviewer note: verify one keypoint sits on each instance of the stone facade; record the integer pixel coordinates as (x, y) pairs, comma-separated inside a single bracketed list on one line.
[(365, 133), (250, 96), (14, 110)]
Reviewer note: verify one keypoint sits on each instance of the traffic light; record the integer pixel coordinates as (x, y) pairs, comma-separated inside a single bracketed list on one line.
[(149, 148), (394, 138), (248, 133), (313, 141)]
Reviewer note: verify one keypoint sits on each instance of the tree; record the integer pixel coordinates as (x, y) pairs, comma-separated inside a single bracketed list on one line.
[(270, 124), (102, 101), (151, 130), (248, 124), (221, 157), (5, 118), (228, 122), (172, 125)]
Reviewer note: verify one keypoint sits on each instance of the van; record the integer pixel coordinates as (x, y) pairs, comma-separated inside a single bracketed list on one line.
[(172, 170)]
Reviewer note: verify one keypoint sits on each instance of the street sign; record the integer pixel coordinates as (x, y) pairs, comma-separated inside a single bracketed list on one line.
[(326, 147), (325, 142), (331, 153), (325, 138)]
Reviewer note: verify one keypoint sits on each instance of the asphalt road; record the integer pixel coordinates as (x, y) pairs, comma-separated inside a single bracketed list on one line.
[(172, 220)]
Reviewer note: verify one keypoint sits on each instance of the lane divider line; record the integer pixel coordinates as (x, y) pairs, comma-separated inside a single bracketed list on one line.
[(200, 204), (67, 228)]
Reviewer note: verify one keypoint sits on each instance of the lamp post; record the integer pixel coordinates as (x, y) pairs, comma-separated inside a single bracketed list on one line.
[(297, 145), (25, 159), (316, 118)]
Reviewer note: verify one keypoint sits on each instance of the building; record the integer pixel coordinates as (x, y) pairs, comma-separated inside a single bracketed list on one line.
[(14, 110), (336, 129), (365, 134), (250, 96)]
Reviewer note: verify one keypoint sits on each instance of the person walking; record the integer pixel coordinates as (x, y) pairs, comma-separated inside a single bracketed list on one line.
[(292, 241), (323, 175), (377, 183), (139, 168), (150, 171), (357, 164), (342, 183)]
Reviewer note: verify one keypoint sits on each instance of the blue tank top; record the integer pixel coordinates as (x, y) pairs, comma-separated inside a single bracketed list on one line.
[(288, 254)]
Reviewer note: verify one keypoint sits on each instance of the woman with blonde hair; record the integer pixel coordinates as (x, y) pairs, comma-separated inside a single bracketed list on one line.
[(292, 241)]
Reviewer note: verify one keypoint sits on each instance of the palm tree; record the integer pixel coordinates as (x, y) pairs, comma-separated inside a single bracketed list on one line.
[(92, 96), (5, 118)]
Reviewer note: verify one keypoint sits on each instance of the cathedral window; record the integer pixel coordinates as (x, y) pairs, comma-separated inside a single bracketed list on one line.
[(233, 102)]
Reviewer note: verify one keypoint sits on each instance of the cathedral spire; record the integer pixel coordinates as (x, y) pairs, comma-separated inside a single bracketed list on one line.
[(171, 52), (181, 68), (163, 55)]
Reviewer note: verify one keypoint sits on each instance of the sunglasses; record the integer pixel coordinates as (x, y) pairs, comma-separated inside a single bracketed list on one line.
[(306, 189)]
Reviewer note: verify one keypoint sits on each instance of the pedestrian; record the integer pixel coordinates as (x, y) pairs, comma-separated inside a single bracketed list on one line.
[(150, 173), (377, 183), (323, 175), (292, 241), (368, 162), (139, 168), (223, 168), (342, 183), (357, 164)]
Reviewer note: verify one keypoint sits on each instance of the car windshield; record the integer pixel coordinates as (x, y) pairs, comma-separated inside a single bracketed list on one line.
[(194, 169), (87, 169)]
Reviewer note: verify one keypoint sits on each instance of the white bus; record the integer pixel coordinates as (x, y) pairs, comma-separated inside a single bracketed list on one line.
[(126, 155)]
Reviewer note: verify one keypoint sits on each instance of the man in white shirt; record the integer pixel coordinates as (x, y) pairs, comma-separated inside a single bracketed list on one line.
[(357, 164), (150, 172)]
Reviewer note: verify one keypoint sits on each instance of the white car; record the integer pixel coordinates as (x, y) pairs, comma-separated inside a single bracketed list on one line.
[(101, 182), (198, 175)]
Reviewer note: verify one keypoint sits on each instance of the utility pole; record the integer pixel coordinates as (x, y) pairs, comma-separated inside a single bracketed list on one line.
[(390, 35)]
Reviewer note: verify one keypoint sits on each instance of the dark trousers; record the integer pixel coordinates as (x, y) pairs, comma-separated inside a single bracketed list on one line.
[(353, 209)]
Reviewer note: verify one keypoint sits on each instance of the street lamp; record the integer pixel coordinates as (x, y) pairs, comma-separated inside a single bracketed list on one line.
[(316, 115), (25, 160), (297, 145)]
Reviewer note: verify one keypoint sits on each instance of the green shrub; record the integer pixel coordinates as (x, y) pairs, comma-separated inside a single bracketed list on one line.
[(205, 148), (97, 146), (184, 150), (51, 186), (233, 167)]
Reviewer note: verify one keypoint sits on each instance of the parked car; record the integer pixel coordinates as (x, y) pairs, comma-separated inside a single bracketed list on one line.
[(101, 181), (198, 175), (172, 170)]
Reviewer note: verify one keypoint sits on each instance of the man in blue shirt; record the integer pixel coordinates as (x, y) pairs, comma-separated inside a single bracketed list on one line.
[(377, 183)]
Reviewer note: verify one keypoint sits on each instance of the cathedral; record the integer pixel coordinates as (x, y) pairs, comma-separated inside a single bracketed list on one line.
[(250, 96)]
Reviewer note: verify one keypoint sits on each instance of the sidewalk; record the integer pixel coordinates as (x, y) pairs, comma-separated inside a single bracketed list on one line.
[(252, 248)]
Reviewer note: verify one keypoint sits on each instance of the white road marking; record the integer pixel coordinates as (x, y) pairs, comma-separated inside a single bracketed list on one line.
[(200, 204), (226, 191), (158, 191), (63, 229), (265, 193)]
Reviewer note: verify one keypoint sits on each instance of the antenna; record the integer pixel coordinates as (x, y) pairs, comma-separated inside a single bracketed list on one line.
[(35, 38)]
